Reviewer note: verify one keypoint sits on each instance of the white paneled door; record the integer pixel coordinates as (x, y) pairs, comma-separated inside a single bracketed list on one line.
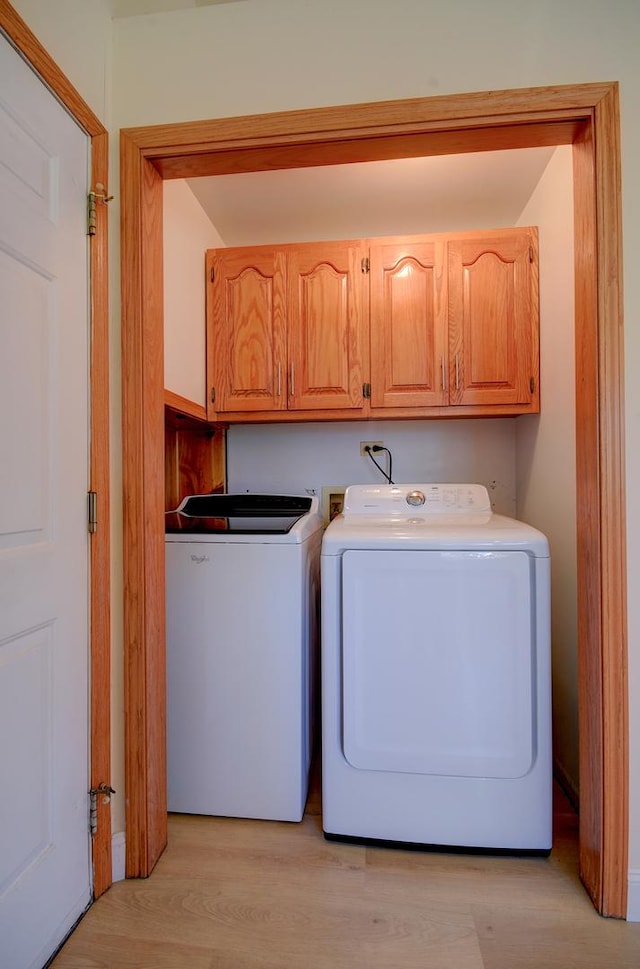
[(45, 878)]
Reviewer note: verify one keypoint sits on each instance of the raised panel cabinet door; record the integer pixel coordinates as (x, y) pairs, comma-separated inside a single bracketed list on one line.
[(408, 320), (245, 330), (493, 318), (327, 307)]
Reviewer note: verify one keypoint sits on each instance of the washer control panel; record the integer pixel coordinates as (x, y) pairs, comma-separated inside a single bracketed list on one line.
[(423, 499)]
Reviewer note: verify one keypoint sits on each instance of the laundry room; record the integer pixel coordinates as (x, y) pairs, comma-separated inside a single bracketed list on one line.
[(526, 461)]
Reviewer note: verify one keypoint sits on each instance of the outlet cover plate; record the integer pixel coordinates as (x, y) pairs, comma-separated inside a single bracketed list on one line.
[(366, 444)]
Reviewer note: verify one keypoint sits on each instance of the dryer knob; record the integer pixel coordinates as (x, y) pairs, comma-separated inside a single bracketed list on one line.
[(415, 498)]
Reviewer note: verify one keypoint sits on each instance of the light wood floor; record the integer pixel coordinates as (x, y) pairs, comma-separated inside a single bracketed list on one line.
[(236, 894)]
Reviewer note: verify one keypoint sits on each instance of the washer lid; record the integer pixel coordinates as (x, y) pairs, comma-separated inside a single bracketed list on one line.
[(245, 514)]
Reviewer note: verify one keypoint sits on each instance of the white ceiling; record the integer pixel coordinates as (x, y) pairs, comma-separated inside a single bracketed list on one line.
[(133, 8), (446, 193)]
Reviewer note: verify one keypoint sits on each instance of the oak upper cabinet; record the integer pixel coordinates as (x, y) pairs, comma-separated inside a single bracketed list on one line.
[(246, 330), (493, 320), (436, 326), (408, 318), (286, 331), (327, 309), (454, 324)]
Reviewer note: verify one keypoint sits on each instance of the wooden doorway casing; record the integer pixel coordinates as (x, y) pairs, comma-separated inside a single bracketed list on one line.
[(100, 605), (585, 116)]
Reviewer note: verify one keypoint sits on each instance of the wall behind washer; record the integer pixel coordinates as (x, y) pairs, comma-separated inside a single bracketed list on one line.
[(307, 457)]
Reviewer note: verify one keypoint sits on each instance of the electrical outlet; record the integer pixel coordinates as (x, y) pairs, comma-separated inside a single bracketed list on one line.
[(365, 445)]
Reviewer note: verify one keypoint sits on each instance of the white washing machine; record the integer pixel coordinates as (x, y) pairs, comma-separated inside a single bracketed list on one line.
[(242, 577), (436, 701)]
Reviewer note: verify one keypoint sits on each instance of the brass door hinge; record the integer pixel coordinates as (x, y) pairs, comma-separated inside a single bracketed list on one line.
[(98, 196), (104, 791), (92, 511)]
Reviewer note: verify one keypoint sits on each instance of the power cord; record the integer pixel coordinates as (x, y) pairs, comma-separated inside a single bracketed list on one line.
[(376, 448)]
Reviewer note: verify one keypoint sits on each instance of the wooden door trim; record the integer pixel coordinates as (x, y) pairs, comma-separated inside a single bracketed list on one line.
[(449, 112), (604, 677), (585, 115), (100, 605)]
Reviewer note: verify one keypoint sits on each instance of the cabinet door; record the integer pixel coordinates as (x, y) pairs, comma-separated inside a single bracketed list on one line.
[(327, 306), (246, 329), (408, 318), (493, 318)]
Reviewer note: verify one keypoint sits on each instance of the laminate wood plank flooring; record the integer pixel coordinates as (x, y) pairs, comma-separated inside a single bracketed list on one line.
[(240, 894)]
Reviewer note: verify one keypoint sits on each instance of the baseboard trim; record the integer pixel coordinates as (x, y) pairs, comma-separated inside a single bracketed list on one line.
[(633, 896), (118, 853), (568, 786)]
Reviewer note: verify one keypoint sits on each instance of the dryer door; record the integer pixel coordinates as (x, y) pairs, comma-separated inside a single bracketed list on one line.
[(438, 662)]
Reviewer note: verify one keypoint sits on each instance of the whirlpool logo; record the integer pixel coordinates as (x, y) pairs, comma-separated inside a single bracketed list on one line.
[(199, 559)]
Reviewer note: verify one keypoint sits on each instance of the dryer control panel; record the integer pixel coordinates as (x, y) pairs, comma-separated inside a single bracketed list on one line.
[(425, 499)]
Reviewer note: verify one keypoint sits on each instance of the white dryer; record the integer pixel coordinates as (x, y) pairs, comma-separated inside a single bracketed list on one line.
[(436, 698)]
